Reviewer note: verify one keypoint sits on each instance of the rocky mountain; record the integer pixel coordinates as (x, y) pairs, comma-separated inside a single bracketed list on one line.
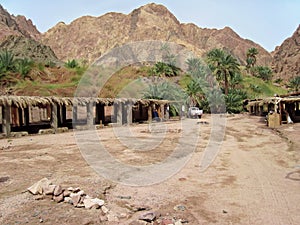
[(286, 57), (16, 25), (24, 47), (89, 37)]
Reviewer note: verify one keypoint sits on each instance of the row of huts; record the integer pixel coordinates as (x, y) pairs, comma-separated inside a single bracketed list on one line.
[(278, 109), (33, 113)]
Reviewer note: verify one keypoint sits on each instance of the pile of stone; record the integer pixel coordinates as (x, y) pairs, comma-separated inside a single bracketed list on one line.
[(74, 196)]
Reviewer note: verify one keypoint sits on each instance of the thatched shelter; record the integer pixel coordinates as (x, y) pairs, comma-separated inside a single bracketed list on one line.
[(285, 107), (26, 113)]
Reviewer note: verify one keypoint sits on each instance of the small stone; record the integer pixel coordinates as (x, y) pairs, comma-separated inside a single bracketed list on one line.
[(71, 189), (224, 211), (81, 193), (58, 198), (104, 209), (76, 199), (58, 190), (166, 222), (178, 223), (112, 218), (37, 188), (49, 190), (80, 205), (179, 208), (148, 217), (98, 201), (39, 197), (41, 220), (67, 193), (88, 203), (68, 200), (103, 218)]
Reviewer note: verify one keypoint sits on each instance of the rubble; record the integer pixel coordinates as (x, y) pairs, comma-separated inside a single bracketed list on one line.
[(74, 196)]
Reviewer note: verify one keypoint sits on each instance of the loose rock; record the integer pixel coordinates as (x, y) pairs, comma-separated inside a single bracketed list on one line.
[(49, 190), (38, 187), (148, 217), (58, 190), (58, 198)]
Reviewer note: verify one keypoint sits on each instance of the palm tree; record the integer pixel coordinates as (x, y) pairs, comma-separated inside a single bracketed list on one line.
[(7, 61), (223, 65), (251, 57), (194, 93)]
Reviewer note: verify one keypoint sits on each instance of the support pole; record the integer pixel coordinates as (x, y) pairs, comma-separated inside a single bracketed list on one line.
[(54, 119), (129, 113), (90, 115), (6, 111)]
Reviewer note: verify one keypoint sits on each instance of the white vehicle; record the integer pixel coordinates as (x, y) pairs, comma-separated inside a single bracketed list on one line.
[(195, 112)]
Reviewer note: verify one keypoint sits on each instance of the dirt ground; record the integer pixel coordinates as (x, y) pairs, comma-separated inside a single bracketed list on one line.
[(255, 179)]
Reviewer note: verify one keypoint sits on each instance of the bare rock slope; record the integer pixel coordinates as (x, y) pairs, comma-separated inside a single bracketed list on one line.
[(89, 37)]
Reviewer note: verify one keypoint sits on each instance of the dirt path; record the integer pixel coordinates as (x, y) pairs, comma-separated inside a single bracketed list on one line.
[(255, 178)]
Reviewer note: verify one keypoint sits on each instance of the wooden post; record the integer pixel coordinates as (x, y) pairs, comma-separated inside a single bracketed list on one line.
[(162, 112), (150, 113), (6, 110), (129, 113), (120, 113), (90, 115), (54, 114), (74, 112)]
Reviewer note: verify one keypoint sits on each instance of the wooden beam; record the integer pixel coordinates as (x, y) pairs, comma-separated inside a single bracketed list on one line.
[(90, 115)]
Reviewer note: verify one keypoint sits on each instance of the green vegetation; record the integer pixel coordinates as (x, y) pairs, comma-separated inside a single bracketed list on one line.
[(23, 66), (294, 84), (72, 64)]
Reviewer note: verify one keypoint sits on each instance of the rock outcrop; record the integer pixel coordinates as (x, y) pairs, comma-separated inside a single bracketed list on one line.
[(16, 25), (286, 58)]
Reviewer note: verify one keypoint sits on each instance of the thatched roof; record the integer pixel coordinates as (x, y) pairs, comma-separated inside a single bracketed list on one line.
[(26, 101), (274, 100)]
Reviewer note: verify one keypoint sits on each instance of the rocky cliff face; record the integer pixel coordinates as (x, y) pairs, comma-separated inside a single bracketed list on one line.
[(16, 25), (286, 57), (89, 37)]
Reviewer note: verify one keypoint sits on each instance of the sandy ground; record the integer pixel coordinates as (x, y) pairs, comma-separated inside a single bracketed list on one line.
[(255, 178)]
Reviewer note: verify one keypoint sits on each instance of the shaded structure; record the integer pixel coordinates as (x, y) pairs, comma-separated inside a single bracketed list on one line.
[(33, 113), (278, 109)]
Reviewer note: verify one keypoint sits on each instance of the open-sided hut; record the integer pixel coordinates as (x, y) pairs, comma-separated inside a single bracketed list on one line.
[(31, 113), (285, 107)]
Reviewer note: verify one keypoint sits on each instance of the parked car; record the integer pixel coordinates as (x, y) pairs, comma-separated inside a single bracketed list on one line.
[(195, 112)]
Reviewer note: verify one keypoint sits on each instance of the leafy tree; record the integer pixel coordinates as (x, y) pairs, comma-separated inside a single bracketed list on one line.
[(251, 57), (234, 100), (223, 65), (294, 84)]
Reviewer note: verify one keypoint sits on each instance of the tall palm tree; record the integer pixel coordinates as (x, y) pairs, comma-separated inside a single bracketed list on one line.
[(251, 57), (223, 65)]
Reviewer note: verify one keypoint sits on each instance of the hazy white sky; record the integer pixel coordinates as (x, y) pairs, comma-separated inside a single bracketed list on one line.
[(266, 22)]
